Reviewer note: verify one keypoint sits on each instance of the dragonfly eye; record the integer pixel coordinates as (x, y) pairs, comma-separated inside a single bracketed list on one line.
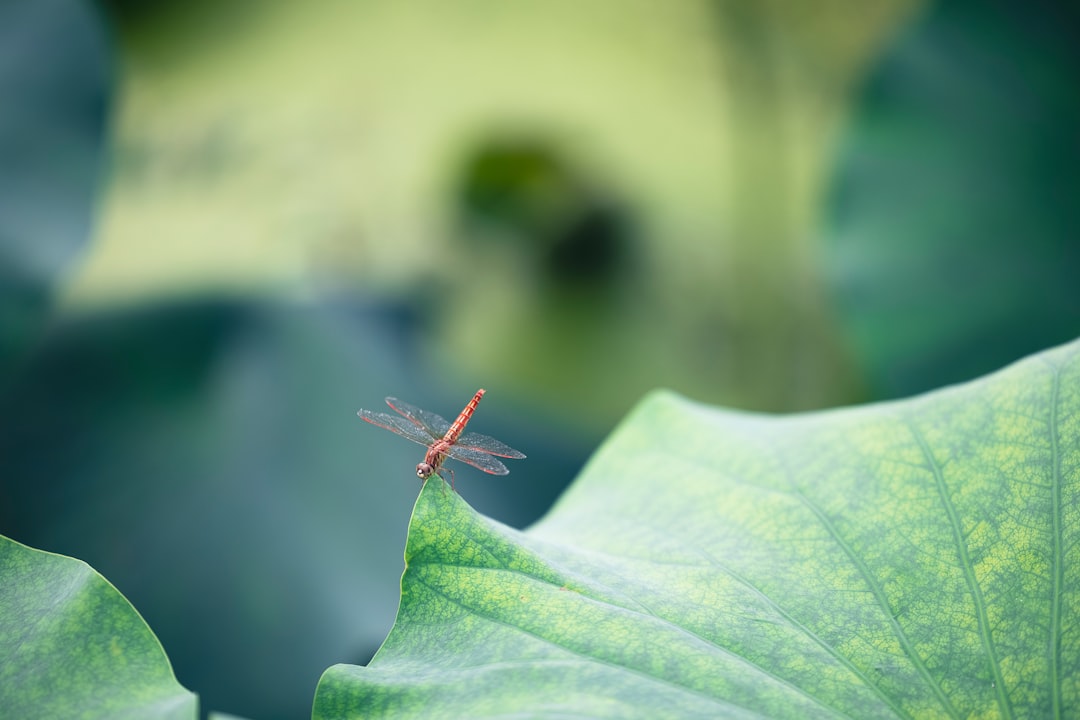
[(424, 470)]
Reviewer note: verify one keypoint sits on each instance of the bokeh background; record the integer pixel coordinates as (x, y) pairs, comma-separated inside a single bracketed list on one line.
[(225, 226)]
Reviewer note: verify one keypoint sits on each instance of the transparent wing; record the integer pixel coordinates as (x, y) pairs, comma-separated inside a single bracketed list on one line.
[(483, 443), (403, 426), (435, 424), (478, 459)]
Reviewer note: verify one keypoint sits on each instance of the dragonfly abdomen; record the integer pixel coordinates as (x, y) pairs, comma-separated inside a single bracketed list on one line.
[(463, 419)]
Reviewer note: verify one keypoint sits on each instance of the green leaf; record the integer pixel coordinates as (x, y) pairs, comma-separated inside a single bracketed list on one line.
[(910, 559), (72, 647)]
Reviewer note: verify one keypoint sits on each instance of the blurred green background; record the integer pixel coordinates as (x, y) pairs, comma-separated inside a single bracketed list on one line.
[(225, 226)]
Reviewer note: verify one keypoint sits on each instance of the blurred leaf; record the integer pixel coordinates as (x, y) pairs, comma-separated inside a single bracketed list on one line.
[(953, 244), (503, 188), (55, 69), (72, 647), (911, 559), (207, 458)]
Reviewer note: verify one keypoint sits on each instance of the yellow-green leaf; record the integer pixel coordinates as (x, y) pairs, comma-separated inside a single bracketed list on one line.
[(910, 559)]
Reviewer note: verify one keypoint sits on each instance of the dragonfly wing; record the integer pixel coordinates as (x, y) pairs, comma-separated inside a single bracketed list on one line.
[(478, 459), (489, 445), (400, 425), (435, 424)]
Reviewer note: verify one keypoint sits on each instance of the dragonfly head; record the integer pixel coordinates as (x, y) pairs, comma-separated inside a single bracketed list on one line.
[(424, 470)]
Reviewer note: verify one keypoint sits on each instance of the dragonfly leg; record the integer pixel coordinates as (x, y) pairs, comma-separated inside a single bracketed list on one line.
[(451, 471), (440, 472)]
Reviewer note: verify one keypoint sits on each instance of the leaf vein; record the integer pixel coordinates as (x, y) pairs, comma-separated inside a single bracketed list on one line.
[(645, 612), (802, 628), (879, 595), (491, 617), (1057, 549), (968, 569)]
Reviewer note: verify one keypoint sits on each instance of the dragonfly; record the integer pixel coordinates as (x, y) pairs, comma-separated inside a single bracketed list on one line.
[(443, 439)]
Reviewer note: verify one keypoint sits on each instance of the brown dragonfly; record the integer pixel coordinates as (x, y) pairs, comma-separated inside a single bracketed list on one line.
[(443, 439)]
